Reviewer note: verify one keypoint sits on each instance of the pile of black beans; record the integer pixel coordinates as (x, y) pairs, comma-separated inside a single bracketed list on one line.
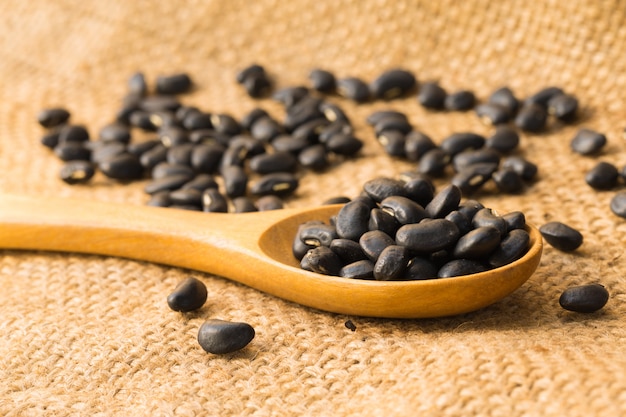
[(258, 159), (400, 229)]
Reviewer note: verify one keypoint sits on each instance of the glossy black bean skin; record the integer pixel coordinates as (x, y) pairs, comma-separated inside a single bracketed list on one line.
[(252, 69), (51, 138), (288, 143), (221, 337), (531, 118), (462, 100), (266, 129), (160, 103), (318, 235), (73, 133), (432, 96), (136, 84), (505, 97), (269, 202), (392, 123), (77, 172), (504, 140), (153, 157), (492, 114), (201, 182), (101, 151), (301, 112), (167, 183), (289, 96), (314, 157), (139, 148), (561, 236), (471, 157), (526, 169), (235, 181), (470, 207), (618, 204), (257, 85), (444, 202), (343, 144), (234, 155), (226, 124), (460, 267), (363, 269), (348, 250), (173, 136), (244, 204), (391, 263), (514, 220), (273, 162), (299, 248), (459, 142), (52, 117), (392, 84), (477, 244), (603, 176), (165, 169), (323, 261), (173, 84), (206, 157), (252, 116), (310, 131), (462, 222), (123, 167), (382, 187), (189, 295), (584, 298), (322, 80), (434, 162), (403, 209), (416, 144), (72, 151), (543, 96), (487, 217), (420, 190), (341, 199), (472, 177), (383, 221), (180, 154), (393, 142), (588, 142), (197, 120), (353, 88), (563, 106), (186, 197), (160, 199), (512, 247), (373, 242), (420, 268), (428, 236), (213, 201), (374, 118), (333, 113), (278, 183)]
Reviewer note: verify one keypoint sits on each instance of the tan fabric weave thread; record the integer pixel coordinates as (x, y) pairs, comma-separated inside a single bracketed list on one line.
[(88, 335)]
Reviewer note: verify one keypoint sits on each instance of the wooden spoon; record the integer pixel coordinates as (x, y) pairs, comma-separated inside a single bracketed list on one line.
[(251, 248)]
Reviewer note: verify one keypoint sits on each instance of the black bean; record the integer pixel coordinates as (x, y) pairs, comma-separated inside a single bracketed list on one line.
[(314, 157), (462, 100), (166, 183), (299, 248), (273, 162), (189, 295), (226, 124), (524, 168), (219, 336), (477, 244), (303, 111), (512, 247), (353, 220), (266, 129), (618, 204), (186, 197), (488, 217), (322, 80), (198, 120), (155, 104), (392, 123), (363, 269), (165, 169), (278, 183), (470, 157), (72, 151), (342, 144), (311, 130), (348, 250), (584, 298), (333, 113), (419, 189), (374, 118), (137, 84), (234, 155), (588, 142), (504, 140), (153, 157), (206, 157), (428, 236), (416, 144), (173, 84), (373, 242), (460, 267), (288, 96), (603, 176), (462, 222), (235, 181), (514, 220), (77, 172), (382, 187), (492, 114), (252, 116), (269, 202), (432, 96), (508, 181), (561, 236), (252, 146), (393, 142), (353, 88), (543, 96), (52, 117), (123, 167), (180, 154), (434, 162), (51, 138), (257, 85), (444, 202), (101, 151), (531, 118), (213, 201), (323, 261), (337, 200), (459, 142), (160, 199), (622, 173), (252, 69), (208, 136), (420, 268), (172, 136), (403, 209), (383, 221), (139, 148), (315, 235), (201, 182), (563, 106), (151, 121), (392, 84), (470, 207), (505, 97), (391, 263), (73, 133), (244, 204)]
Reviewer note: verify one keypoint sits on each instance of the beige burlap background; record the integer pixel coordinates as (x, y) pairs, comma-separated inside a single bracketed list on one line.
[(90, 335)]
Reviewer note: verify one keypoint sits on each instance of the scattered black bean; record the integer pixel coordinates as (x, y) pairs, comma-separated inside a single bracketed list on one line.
[(392, 84), (618, 204), (72, 151), (322, 80), (220, 337), (173, 84), (487, 217), (52, 117), (586, 298), (462, 100), (189, 295), (382, 187), (432, 96), (125, 167), (350, 325), (504, 140), (505, 98), (563, 106), (354, 89), (561, 236), (77, 172), (508, 181), (73, 133), (588, 142), (213, 201), (492, 114), (459, 142), (434, 162), (420, 268), (603, 176), (524, 168), (543, 96), (531, 118)]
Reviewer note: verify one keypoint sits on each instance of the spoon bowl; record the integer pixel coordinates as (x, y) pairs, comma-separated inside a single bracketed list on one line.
[(251, 248)]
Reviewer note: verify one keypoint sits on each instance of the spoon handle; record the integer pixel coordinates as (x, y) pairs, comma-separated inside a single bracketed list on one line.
[(202, 241)]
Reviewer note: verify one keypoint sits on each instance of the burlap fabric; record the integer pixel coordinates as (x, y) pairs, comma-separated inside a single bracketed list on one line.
[(90, 335)]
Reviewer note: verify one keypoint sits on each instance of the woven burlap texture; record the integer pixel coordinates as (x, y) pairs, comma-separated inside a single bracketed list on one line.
[(93, 336)]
